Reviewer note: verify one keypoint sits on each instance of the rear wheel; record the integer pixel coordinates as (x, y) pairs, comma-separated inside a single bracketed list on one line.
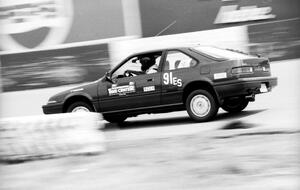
[(235, 104), (114, 118), (201, 106), (80, 107)]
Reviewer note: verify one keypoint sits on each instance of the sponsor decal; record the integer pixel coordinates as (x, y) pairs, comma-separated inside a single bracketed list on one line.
[(231, 14), (48, 21), (169, 79), (220, 75), (149, 88), (121, 90)]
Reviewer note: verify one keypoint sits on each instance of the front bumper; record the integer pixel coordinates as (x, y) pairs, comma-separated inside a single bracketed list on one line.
[(52, 108), (244, 86)]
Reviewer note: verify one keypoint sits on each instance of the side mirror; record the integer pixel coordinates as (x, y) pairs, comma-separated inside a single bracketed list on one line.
[(108, 77)]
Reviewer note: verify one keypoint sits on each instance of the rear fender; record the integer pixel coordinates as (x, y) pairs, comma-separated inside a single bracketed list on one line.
[(200, 84)]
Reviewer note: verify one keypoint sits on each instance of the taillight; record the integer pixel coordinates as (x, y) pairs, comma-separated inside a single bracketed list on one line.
[(262, 68), (242, 70)]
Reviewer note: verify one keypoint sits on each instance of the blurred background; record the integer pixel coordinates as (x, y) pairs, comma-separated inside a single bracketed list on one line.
[(47, 46), (54, 43)]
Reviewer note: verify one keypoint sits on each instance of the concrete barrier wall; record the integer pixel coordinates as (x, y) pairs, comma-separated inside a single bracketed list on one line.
[(48, 136), (27, 102)]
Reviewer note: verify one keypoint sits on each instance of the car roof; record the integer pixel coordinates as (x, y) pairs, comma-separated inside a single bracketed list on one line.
[(162, 49)]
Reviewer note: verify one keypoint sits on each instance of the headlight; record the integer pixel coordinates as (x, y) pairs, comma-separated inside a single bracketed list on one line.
[(51, 102)]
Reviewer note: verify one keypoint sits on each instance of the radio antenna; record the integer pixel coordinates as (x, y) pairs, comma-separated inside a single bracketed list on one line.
[(166, 28)]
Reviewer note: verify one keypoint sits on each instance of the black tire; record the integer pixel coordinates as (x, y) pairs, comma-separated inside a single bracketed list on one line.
[(234, 104), (80, 104), (205, 98), (114, 118)]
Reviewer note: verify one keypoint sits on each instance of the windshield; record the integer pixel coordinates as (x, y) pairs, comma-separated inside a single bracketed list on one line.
[(219, 53)]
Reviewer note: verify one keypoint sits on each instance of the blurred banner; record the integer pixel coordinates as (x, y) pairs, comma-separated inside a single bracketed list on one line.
[(41, 40), (43, 23), (276, 40), (197, 15), (273, 25), (57, 67)]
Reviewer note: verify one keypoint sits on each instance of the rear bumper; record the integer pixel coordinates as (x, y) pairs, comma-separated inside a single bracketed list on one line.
[(51, 109), (244, 86)]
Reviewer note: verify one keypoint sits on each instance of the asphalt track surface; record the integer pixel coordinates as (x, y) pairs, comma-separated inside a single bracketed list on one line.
[(255, 149)]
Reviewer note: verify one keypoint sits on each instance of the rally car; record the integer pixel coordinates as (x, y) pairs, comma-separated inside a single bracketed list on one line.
[(198, 79)]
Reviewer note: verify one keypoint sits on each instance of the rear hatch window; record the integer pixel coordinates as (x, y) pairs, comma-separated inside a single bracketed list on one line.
[(219, 53)]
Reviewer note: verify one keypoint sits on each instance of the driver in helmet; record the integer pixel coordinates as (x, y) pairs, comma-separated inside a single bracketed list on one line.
[(147, 66)]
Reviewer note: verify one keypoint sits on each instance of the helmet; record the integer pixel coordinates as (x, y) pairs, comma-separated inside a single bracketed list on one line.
[(146, 63)]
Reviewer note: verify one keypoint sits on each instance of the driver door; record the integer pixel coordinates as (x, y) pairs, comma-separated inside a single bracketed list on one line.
[(131, 92)]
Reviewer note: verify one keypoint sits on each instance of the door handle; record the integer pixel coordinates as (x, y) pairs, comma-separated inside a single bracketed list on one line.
[(149, 80)]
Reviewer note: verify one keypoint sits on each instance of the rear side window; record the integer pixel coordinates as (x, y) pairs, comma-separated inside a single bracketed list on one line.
[(178, 60)]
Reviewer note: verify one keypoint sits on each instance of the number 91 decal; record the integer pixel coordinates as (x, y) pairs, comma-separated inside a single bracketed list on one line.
[(169, 79)]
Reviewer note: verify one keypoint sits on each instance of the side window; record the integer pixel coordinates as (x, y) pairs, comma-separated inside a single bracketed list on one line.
[(178, 60), (132, 64), (146, 63)]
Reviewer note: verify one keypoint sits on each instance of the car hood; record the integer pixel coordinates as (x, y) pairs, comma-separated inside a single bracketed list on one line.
[(84, 88)]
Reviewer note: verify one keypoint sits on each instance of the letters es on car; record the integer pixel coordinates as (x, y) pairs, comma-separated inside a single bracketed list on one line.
[(198, 79)]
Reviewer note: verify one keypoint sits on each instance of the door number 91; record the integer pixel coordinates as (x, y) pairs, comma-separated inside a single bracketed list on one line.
[(169, 79)]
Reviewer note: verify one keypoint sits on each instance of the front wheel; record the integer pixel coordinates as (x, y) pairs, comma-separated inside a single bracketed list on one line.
[(80, 107), (201, 106), (235, 104)]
